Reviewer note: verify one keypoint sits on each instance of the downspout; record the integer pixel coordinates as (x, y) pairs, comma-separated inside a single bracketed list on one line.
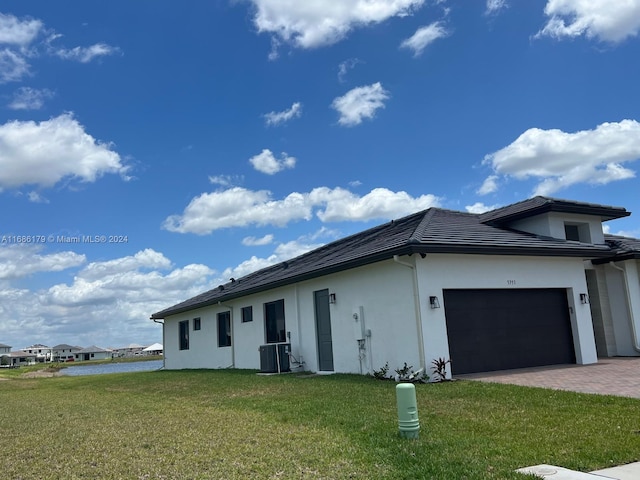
[(163, 341), (233, 338), (634, 333), (416, 303)]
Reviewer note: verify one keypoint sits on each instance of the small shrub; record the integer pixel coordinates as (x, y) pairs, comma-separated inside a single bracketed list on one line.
[(440, 369), (382, 373)]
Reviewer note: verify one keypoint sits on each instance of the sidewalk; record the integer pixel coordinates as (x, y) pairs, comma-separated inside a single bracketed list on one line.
[(623, 472)]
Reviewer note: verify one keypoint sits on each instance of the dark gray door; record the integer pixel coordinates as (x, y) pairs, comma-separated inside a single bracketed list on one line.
[(323, 330), (503, 329)]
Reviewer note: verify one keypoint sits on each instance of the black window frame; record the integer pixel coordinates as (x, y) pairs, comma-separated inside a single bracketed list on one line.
[(224, 329), (183, 335), (197, 324), (275, 325), (572, 232), (247, 314)]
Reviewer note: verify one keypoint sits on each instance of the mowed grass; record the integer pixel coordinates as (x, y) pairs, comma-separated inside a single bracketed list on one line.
[(237, 425)]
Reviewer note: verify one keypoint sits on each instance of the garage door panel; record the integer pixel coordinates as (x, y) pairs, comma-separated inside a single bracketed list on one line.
[(503, 329)]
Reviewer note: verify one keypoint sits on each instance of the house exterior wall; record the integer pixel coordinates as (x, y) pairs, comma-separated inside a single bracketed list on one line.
[(552, 225), (382, 297), (624, 306), (380, 294), (438, 272)]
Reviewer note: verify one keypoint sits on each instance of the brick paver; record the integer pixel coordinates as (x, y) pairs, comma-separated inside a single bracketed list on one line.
[(610, 376)]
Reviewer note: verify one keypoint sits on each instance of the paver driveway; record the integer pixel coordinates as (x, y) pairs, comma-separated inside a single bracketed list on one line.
[(610, 376)]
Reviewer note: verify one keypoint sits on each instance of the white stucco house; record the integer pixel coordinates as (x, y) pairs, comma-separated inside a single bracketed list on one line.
[(530, 284), (64, 352), (92, 353)]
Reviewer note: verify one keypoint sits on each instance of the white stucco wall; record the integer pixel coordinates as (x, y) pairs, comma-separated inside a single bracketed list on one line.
[(624, 305), (552, 225), (440, 272), (382, 296)]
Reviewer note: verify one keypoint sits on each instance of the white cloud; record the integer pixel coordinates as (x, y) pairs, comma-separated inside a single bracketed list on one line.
[(13, 66), (479, 207), (562, 159), (257, 242), (44, 153), (489, 185), (360, 103), (425, 36), (238, 207), (85, 54), (266, 162), (344, 67), (226, 180), (276, 118), (315, 23), (23, 260), (494, 6), (27, 98), (605, 20), (14, 31)]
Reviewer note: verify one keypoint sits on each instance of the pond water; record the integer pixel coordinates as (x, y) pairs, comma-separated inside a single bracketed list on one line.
[(102, 368)]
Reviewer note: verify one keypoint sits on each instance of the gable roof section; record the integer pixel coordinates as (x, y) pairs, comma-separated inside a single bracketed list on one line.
[(430, 231), (538, 205)]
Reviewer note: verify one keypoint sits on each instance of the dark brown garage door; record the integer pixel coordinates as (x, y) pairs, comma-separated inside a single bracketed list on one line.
[(502, 329)]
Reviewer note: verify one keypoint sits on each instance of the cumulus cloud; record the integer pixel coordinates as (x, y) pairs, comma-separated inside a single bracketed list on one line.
[(489, 185), (239, 207), (257, 242), (20, 42), (266, 162), (479, 207), (23, 260), (27, 98), (19, 32), (44, 153), (562, 159), (13, 66), (310, 24), (596, 19), (424, 37), (276, 118), (360, 103)]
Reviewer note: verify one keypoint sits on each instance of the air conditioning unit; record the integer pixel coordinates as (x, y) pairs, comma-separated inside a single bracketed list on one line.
[(274, 358)]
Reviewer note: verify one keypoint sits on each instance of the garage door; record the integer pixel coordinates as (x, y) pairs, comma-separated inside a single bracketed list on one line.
[(502, 329)]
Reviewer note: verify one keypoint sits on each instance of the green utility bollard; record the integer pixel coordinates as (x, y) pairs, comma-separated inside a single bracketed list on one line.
[(408, 422)]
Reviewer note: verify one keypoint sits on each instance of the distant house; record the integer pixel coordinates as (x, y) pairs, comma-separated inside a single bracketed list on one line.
[(64, 352), (129, 351), (42, 352), (22, 358), (155, 349), (93, 353), (5, 354), (530, 284)]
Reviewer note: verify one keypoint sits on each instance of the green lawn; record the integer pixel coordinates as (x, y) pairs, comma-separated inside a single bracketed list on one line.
[(239, 425)]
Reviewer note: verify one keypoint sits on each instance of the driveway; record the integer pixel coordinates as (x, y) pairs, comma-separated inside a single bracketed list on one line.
[(610, 376)]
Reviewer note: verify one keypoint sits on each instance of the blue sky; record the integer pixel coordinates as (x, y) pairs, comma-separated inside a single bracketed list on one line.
[(200, 142)]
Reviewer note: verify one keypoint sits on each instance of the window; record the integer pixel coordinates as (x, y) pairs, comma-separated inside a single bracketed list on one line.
[(224, 329), (247, 314), (274, 326), (571, 232), (183, 335), (196, 323)]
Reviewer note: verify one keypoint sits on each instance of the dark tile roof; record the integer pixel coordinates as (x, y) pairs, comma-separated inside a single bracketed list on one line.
[(623, 248), (430, 231), (538, 205)]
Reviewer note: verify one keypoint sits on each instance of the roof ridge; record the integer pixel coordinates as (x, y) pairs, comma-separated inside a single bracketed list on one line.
[(421, 228)]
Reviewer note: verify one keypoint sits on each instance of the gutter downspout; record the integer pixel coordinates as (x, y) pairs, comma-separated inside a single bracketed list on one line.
[(416, 303), (634, 332), (163, 342), (233, 339)]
